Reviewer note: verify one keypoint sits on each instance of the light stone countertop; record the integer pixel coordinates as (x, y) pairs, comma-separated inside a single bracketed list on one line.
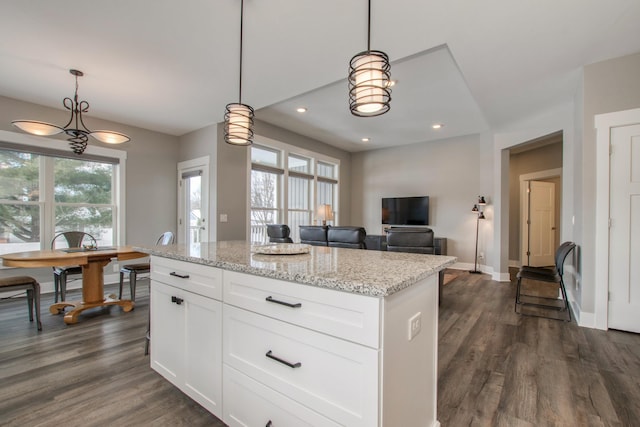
[(366, 272)]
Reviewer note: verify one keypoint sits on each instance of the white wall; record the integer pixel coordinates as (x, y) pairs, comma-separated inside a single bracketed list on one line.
[(150, 175), (449, 171), (609, 86)]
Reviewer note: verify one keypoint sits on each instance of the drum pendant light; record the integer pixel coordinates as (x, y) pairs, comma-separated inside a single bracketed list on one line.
[(369, 80), (238, 117)]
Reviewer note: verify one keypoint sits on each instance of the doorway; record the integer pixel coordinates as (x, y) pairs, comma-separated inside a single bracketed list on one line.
[(535, 160), (193, 201), (540, 213)]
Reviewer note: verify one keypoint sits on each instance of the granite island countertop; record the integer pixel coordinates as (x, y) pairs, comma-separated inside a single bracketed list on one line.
[(372, 273)]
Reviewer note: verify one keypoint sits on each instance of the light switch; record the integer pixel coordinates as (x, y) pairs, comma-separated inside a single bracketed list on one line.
[(223, 217)]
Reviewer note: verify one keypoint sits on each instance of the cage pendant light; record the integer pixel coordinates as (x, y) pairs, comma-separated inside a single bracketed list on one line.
[(238, 117), (75, 128), (369, 80)]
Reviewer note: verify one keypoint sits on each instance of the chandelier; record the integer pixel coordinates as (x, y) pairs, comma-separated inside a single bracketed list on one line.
[(75, 128)]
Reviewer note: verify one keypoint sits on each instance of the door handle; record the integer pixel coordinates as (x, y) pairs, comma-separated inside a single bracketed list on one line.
[(177, 300)]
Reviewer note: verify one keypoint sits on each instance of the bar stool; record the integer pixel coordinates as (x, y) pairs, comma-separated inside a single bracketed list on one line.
[(20, 283)]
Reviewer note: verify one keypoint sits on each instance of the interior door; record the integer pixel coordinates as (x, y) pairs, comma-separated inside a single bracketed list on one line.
[(193, 201), (542, 226), (624, 234)]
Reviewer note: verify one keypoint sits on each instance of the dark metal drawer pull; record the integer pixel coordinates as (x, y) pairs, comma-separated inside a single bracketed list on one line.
[(288, 304), (177, 300), (269, 424), (284, 362), (182, 276)]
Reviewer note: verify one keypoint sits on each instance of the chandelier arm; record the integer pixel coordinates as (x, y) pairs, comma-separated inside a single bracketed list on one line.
[(68, 104), (83, 107)]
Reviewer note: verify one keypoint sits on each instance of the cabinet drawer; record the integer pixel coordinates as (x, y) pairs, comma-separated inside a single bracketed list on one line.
[(196, 278), (249, 403), (341, 314), (336, 378)]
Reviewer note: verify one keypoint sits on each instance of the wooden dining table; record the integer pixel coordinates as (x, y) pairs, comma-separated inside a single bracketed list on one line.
[(92, 261)]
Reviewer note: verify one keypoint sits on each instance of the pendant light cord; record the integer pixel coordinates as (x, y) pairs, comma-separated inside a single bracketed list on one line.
[(241, 22), (369, 28)]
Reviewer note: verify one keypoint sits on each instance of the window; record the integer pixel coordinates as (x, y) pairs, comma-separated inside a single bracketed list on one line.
[(42, 195), (288, 184)]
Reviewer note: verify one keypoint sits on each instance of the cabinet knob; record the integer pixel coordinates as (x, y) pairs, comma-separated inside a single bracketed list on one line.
[(269, 424), (177, 300)]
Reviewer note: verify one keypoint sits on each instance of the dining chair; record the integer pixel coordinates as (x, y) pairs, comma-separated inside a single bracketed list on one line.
[(29, 284), (167, 238), (133, 270), (546, 275), (68, 239)]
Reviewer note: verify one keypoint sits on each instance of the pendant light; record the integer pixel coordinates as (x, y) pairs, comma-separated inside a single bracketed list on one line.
[(238, 117), (369, 80), (75, 128)]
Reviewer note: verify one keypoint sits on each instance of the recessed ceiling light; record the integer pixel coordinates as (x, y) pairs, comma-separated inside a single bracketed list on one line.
[(437, 126), (365, 139), (301, 110)]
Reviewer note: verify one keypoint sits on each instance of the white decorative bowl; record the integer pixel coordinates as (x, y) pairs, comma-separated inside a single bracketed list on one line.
[(281, 249)]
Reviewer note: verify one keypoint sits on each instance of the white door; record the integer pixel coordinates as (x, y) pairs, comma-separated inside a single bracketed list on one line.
[(193, 201), (624, 234), (542, 224)]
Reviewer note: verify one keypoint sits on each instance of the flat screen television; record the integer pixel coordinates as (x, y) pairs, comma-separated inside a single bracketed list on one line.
[(405, 210)]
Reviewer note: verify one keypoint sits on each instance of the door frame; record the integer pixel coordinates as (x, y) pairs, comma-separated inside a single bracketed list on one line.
[(603, 124), (188, 165), (524, 202)]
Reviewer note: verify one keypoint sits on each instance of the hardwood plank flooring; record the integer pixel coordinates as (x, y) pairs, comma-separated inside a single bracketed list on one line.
[(496, 368)]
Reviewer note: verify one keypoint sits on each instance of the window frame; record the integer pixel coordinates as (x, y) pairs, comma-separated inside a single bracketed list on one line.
[(283, 200), (52, 147)]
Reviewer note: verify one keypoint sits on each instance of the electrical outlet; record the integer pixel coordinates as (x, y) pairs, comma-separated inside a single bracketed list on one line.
[(481, 256), (415, 325)]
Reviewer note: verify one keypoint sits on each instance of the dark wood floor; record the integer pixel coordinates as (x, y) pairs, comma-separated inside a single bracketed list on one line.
[(496, 368)]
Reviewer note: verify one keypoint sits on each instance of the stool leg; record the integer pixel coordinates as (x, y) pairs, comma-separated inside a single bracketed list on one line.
[(133, 278), (121, 283), (30, 303), (56, 287), (36, 300), (515, 307), (63, 286)]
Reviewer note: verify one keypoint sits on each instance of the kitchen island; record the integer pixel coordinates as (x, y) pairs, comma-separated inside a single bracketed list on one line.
[(330, 337)]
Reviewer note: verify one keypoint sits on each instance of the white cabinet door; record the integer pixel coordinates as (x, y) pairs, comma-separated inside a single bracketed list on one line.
[(186, 343), (203, 352), (167, 326)]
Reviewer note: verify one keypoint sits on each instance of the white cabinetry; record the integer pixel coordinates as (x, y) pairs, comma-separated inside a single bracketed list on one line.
[(327, 352), (186, 329), (286, 354)]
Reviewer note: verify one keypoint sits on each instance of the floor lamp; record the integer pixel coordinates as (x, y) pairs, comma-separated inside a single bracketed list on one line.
[(477, 209)]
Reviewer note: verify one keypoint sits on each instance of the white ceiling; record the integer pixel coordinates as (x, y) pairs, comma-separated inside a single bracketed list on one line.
[(172, 66)]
